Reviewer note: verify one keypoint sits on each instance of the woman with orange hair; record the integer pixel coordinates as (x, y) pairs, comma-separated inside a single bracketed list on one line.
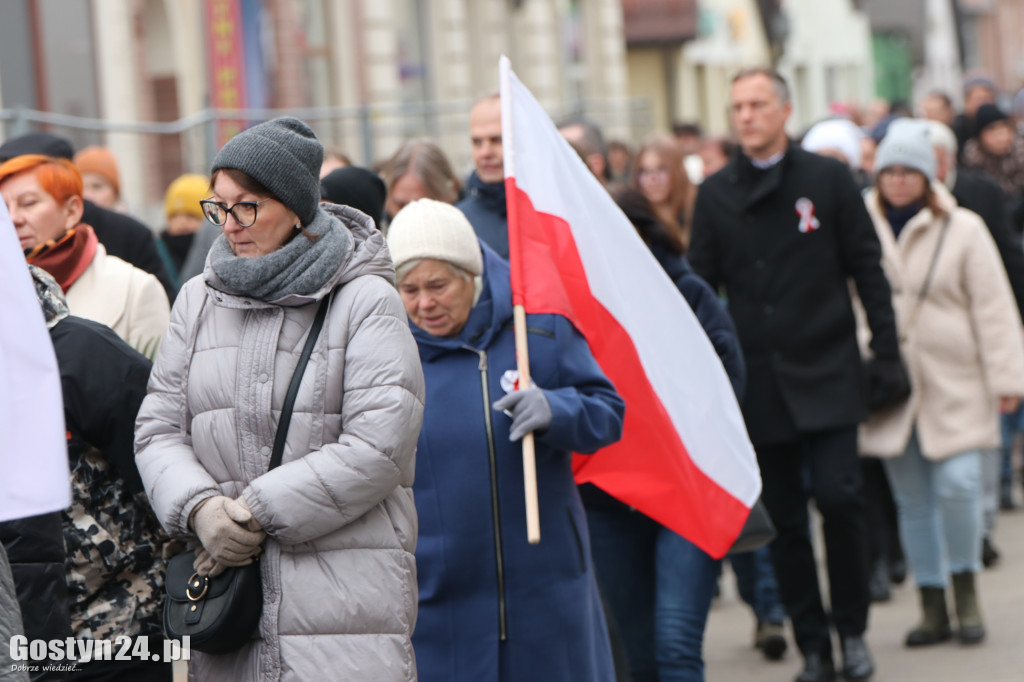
[(659, 174), (44, 198)]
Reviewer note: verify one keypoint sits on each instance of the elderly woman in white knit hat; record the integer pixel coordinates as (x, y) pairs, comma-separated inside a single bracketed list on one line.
[(263, 435), (961, 336), (493, 607)]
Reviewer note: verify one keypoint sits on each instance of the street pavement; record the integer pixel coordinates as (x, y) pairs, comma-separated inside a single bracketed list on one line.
[(730, 656)]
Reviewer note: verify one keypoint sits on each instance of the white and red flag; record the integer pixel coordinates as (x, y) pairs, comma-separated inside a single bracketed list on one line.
[(685, 459)]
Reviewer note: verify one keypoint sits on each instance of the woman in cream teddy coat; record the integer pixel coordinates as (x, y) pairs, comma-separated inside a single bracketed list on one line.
[(962, 340)]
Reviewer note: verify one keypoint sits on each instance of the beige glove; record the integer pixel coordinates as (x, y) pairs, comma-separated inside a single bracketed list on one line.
[(219, 523), (242, 515), (206, 565)]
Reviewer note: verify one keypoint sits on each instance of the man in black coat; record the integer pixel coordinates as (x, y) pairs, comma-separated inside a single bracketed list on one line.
[(484, 204), (782, 230), (120, 234)]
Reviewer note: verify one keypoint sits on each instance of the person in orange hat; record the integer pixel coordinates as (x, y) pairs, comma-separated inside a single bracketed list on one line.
[(100, 177)]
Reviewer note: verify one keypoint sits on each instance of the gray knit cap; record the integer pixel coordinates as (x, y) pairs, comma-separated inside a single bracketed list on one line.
[(907, 143), (284, 156)]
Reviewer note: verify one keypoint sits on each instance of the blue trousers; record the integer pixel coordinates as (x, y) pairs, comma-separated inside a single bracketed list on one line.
[(1010, 424), (939, 505), (658, 587), (755, 581)]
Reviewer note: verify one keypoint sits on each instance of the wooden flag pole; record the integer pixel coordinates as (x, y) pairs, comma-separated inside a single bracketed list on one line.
[(529, 453), (518, 310)]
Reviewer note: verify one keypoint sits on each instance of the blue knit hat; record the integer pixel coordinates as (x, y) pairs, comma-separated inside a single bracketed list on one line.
[(284, 156)]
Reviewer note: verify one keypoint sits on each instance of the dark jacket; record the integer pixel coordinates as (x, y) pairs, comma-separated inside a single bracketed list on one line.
[(129, 240), (785, 278), (114, 542), (94, 570), (492, 606), (710, 312), (977, 192), (35, 549), (173, 250), (484, 205)]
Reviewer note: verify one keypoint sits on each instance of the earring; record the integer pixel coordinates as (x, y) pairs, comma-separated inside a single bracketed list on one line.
[(298, 226)]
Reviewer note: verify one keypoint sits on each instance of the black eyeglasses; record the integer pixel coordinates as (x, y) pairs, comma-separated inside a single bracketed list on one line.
[(244, 212)]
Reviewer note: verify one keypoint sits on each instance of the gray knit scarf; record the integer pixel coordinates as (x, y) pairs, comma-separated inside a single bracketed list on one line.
[(300, 267)]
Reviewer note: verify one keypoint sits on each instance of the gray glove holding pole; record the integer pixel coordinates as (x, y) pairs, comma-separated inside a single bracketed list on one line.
[(220, 523), (529, 410)]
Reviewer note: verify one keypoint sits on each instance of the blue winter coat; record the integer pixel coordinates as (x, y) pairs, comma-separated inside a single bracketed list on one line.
[(492, 606), (484, 206)]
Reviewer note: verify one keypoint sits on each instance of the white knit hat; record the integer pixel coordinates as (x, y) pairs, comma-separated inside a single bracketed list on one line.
[(836, 133), (426, 228)]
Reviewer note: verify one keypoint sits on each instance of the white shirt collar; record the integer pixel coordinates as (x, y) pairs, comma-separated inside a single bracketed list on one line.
[(772, 160)]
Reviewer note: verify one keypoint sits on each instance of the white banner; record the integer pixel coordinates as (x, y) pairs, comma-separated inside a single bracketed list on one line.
[(34, 476)]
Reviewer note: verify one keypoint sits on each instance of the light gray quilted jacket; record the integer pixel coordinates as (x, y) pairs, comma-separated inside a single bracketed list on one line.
[(339, 575)]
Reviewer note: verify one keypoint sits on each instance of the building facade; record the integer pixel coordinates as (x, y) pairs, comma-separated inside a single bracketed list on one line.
[(823, 47), (366, 74)]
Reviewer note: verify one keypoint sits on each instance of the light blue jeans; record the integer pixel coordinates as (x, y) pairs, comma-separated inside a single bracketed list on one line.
[(940, 513)]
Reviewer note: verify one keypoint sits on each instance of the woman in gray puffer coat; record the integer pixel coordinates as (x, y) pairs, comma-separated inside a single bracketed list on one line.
[(335, 524)]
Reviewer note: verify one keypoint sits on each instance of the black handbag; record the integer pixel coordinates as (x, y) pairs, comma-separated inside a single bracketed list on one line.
[(220, 614), (757, 532)]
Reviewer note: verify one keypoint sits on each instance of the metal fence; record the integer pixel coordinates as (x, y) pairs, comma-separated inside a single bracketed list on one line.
[(366, 134)]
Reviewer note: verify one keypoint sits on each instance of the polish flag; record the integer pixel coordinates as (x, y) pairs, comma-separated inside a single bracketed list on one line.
[(685, 459)]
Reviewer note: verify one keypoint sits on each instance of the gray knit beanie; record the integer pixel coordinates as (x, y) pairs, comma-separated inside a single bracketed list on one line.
[(284, 156), (907, 143)]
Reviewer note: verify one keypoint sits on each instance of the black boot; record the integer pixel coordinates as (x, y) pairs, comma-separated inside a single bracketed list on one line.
[(934, 625), (770, 638), (989, 554), (971, 629), (878, 581), (857, 663), (1006, 502), (817, 668), (897, 570)]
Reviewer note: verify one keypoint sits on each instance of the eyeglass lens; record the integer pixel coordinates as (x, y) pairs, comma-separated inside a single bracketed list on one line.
[(244, 212)]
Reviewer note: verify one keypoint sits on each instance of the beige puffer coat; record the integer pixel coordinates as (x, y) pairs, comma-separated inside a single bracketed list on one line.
[(339, 575), (966, 347)]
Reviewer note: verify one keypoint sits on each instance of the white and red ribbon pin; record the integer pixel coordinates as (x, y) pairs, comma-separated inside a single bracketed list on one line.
[(805, 209)]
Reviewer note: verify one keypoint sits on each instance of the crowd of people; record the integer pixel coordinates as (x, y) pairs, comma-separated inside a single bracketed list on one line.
[(862, 284)]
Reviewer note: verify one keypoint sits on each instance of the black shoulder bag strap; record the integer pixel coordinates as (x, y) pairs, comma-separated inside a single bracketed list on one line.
[(293, 388)]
